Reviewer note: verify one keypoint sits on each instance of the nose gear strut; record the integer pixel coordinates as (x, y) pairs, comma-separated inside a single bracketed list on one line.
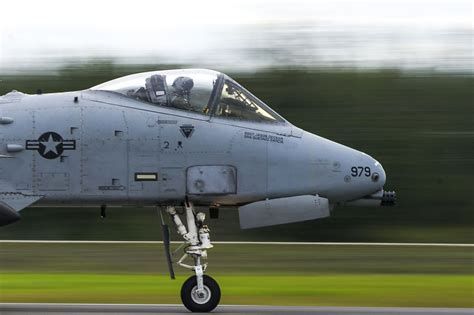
[(200, 293)]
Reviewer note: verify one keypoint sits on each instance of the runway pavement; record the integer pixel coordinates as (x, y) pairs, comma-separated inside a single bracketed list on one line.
[(128, 309)]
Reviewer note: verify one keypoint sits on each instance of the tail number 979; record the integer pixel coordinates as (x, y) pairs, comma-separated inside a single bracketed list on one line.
[(358, 171)]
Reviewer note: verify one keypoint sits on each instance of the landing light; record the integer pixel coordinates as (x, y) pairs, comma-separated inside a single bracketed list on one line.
[(375, 177)]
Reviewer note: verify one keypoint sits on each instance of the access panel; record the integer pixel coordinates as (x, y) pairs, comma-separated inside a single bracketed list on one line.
[(211, 180)]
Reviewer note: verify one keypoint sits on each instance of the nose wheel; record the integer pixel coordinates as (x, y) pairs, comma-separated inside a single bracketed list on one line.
[(199, 293), (200, 301)]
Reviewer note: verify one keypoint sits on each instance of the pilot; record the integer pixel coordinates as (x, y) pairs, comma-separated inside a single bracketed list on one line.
[(181, 93), (155, 88)]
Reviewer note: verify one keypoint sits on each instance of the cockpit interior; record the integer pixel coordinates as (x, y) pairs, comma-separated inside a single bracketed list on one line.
[(205, 92)]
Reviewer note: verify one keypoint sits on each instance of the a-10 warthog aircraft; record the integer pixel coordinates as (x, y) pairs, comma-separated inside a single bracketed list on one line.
[(178, 140)]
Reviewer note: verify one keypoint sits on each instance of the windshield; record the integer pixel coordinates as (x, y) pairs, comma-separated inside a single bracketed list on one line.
[(188, 90), (237, 103)]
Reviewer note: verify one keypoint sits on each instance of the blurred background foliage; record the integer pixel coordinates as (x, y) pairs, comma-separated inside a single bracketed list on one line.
[(418, 124)]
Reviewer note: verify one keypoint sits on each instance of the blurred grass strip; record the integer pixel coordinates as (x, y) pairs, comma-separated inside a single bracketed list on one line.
[(333, 290)]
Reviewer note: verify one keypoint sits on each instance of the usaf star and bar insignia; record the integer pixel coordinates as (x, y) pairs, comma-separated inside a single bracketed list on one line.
[(50, 145)]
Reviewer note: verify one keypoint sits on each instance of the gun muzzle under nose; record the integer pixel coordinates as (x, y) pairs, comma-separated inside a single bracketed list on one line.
[(388, 198)]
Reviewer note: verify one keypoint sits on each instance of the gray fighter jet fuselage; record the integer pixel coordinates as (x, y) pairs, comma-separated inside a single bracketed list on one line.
[(168, 137)]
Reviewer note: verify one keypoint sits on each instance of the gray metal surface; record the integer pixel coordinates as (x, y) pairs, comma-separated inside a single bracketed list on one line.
[(124, 309), (211, 180)]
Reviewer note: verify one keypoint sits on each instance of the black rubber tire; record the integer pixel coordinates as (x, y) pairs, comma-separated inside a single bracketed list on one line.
[(193, 306)]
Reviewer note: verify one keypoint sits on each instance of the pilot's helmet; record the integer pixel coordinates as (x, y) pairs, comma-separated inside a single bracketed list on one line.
[(183, 85)]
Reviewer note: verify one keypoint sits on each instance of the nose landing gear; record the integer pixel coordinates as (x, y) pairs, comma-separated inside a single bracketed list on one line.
[(199, 293)]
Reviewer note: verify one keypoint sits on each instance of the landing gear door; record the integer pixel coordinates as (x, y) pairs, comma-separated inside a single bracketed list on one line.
[(211, 180)]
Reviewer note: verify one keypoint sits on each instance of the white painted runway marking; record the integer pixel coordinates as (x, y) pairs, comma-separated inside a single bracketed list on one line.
[(240, 243)]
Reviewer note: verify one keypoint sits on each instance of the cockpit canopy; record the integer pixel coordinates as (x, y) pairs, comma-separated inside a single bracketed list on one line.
[(206, 92)]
